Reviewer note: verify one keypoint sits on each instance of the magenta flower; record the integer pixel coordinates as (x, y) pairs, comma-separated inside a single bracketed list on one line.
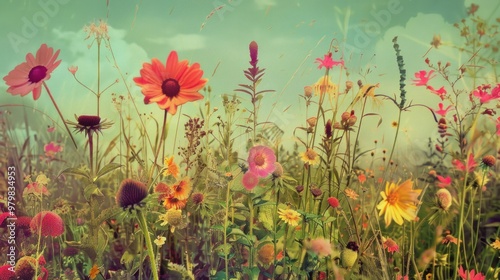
[(442, 112), (28, 76), (443, 182), (459, 165), (482, 93), (250, 180), (52, 149), (328, 62), (261, 161), (254, 52), (466, 275), (423, 77), (441, 92)]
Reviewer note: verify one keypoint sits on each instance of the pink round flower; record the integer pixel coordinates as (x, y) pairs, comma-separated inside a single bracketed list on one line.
[(321, 247), (47, 223), (250, 180), (261, 161), (28, 76), (6, 273)]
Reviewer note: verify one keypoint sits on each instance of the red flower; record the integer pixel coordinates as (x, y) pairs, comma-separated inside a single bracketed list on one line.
[(328, 62), (442, 112), (28, 76), (171, 85), (423, 77), (483, 95), (6, 273), (390, 245), (443, 182), (466, 275), (47, 223), (333, 201), (441, 92)]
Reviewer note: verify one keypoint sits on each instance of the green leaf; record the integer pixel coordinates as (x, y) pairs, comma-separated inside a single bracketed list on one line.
[(90, 190), (77, 172), (235, 231), (224, 250), (106, 169), (218, 227), (108, 214)]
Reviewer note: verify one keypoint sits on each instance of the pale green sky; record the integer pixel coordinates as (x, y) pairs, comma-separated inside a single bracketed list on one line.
[(290, 34)]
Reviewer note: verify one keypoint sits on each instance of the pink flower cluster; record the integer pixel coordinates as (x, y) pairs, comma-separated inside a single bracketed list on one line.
[(422, 79), (482, 93), (261, 163)]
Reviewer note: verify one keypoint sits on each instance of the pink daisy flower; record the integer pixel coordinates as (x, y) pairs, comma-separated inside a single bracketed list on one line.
[(28, 76), (261, 161), (321, 247), (52, 149), (250, 180)]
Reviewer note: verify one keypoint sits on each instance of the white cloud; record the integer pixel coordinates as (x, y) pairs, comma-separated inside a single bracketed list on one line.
[(181, 42), (263, 4)]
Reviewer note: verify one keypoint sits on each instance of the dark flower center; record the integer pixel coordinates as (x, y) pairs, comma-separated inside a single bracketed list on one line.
[(37, 73), (88, 121), (170, 87)]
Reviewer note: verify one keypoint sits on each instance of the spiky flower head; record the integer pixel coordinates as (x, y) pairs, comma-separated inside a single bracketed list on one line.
[(131, 193)]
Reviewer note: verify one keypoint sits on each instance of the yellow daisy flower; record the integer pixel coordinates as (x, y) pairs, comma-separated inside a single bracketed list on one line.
[(399, 202), (325, 85), (496, 244), (289, 216), (160, 240), (310, 157)]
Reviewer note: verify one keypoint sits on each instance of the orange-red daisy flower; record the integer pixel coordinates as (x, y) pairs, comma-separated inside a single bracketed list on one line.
[(172, 202), (28, 76), (181, 190), (171, 85)]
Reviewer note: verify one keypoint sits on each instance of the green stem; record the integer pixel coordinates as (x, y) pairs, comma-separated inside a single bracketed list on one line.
[(149, 245), (59, 112), (160, 143), (228, 194)]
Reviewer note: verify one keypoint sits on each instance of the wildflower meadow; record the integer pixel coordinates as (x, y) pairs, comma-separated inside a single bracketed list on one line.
[(161, 175)]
